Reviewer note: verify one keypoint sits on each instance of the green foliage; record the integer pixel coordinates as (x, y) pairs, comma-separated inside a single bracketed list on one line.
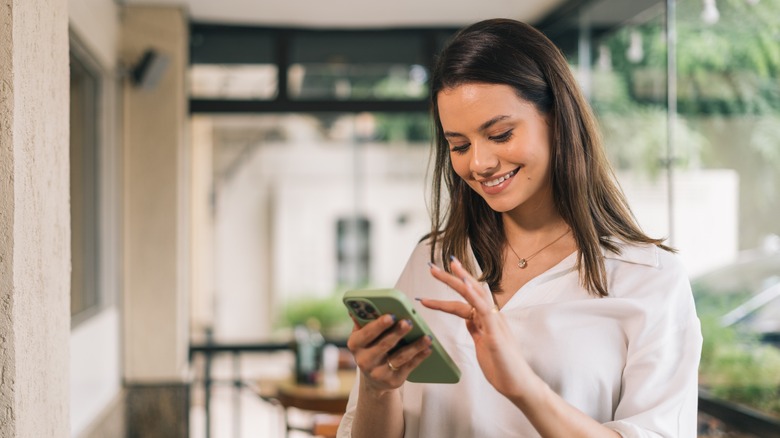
[(637, 139), (730, 67), (734, 365), (329, 312), (402, 128)]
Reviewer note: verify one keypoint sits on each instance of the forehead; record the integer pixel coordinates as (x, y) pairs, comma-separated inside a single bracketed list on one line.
[(469, 105)]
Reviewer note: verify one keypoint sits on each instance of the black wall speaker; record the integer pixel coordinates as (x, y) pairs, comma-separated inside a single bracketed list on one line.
[(146, 73)]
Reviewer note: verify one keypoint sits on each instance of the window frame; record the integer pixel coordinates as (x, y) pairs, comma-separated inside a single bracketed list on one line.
[(104, 112)]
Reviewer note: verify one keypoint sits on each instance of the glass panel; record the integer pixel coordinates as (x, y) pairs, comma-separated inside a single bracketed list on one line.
[(627, 82), (715, 187), (83, 188), (358, 81), (233, 81), (729, 96), (344, 66), (353, 251), (231, 45)]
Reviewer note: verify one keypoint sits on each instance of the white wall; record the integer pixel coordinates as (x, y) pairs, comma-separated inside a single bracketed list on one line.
[(97, 23), (95, 369), (706, 210), (276, 225)]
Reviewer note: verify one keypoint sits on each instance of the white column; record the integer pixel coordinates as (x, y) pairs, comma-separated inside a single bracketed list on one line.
[(34, 218), (156, 214)]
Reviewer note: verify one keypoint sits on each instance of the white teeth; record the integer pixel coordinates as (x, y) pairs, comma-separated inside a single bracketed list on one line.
[(498, 181)]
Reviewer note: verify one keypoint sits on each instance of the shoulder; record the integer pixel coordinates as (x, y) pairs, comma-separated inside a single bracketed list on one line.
[(422, 252), (651, 277), (416, 274), (642, 258)]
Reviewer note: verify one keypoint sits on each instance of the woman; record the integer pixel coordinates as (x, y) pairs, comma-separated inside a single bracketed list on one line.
[(565, 319)]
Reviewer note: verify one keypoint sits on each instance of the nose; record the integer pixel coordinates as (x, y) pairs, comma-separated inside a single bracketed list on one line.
[(484, 162)]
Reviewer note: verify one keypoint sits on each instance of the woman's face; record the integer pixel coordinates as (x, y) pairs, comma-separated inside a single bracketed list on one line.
[(499, 144)]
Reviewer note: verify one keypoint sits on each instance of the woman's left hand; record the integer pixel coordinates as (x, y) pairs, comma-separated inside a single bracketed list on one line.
[(498, 352)]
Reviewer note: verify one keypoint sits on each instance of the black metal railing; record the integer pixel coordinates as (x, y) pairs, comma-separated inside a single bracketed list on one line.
[(735, 416), (739, 417), (209, 350)]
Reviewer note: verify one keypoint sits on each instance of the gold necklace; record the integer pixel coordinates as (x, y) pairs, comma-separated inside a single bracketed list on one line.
[(522, 262)]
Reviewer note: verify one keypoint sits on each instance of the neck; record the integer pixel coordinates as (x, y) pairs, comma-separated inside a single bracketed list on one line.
[(537, 219)]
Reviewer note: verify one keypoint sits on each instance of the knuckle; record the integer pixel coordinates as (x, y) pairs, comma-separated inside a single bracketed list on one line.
[(362, 362), (375, 374), (387, 342)]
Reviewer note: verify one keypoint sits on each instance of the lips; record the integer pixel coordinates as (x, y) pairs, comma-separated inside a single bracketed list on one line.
[(499, 180)]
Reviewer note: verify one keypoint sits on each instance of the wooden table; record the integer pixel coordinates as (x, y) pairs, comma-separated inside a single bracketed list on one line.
[(315, 398)]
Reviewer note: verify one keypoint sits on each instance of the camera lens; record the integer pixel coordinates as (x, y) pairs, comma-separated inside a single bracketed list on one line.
[(370, 309), (362, 315), (354, 304)]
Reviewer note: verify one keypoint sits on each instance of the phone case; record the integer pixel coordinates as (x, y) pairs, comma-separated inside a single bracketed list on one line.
[(367, 305)]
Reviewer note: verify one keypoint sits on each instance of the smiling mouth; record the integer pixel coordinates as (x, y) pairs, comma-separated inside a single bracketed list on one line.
[(499, 180)]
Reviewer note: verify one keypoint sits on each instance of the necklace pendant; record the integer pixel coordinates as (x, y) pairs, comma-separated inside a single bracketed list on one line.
[(522, 263)]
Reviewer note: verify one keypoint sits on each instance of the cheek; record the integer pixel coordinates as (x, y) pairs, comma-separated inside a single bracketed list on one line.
[(460, 164)]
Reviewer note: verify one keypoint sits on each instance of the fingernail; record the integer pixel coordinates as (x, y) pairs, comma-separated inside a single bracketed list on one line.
[(430, 338), (409, 321), (418, 299), (392, 318), (452, 258), (432, 266)]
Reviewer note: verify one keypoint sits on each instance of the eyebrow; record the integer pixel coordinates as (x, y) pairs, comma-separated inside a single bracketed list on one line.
[(482, 127)]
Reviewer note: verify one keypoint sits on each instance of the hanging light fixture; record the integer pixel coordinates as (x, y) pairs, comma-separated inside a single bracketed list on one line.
[(635, 52), (710, 13)]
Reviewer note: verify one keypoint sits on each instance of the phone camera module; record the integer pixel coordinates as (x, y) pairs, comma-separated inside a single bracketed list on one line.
[(354, 304), (370, 309)]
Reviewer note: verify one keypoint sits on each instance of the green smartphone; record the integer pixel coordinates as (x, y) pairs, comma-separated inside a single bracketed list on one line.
[(368, 305)]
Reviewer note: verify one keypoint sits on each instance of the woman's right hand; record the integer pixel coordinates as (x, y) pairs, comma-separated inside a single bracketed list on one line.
[(371, 345)]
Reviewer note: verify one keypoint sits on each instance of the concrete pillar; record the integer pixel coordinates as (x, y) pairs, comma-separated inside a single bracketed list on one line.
[(155, 221), (202, 235), (34, 219)]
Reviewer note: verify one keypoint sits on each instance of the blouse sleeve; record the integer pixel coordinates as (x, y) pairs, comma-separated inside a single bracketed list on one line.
[(409, 277), (659, 393), (345, 426)]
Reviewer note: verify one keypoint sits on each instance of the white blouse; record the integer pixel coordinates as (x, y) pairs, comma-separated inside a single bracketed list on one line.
[(629, 360)]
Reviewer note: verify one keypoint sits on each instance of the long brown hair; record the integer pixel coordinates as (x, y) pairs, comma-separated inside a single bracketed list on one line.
[(585, 192)]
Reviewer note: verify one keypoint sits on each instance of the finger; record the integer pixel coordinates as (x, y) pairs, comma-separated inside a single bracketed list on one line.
[(468, 290), (451, 280), (366, 335), (486, 318), (415, 361), (456, 308), (404, 356), (375, 354), (355, 325)]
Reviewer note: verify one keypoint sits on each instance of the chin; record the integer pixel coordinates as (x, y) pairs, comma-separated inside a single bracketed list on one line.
[(501, 207)]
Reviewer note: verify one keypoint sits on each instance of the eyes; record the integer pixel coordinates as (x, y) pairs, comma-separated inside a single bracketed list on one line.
[(500, 138)]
